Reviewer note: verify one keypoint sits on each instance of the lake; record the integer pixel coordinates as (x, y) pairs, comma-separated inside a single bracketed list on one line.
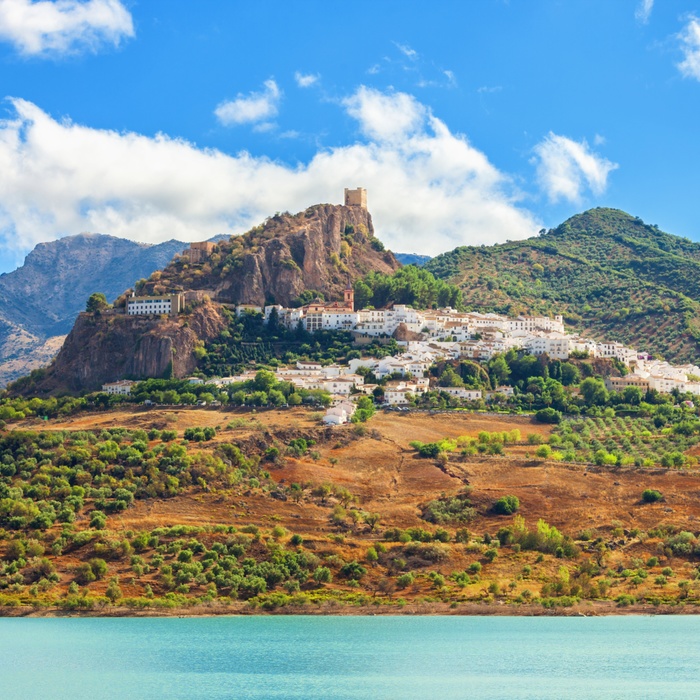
[(367, 658)]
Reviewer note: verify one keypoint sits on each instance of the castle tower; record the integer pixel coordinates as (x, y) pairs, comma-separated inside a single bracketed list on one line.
[(356, 197), (349, 297)]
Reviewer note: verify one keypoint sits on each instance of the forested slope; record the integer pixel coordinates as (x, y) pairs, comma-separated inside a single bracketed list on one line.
[(607, 272)]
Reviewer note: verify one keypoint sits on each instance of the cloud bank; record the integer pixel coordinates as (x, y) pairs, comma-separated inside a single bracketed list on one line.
[(567, 169), (429, 189), (690, 46), (66, 26)]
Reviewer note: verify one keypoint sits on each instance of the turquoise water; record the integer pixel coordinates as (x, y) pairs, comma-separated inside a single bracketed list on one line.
[(368, 658)]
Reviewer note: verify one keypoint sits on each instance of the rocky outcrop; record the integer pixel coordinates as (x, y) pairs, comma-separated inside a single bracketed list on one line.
[(320, 249), (403, 333), (107, 347)]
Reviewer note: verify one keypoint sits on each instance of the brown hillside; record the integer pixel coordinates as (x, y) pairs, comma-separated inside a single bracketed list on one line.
[(623, 554)]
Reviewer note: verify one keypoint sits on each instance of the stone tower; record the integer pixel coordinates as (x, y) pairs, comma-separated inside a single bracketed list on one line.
[(356, 197)]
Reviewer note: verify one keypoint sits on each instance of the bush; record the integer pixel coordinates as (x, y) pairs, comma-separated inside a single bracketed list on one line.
[(651, 496), (405, 580), (490, 555), (506, 505), (322, 574), (450, 510)]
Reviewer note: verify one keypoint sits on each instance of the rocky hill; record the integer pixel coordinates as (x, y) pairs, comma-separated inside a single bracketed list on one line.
[(609, 273), (40, 300), (288, 258), (103, 347), (316, 251)]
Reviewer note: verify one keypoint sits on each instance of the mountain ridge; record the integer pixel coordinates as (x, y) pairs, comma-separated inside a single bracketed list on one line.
[(40, 300)]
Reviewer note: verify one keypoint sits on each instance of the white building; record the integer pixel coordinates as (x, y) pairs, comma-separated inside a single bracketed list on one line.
[(460, 392), (156, 305), (340, 413), (122, 387)]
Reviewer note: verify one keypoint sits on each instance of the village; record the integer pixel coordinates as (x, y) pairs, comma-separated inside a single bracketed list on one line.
[(432, 336)]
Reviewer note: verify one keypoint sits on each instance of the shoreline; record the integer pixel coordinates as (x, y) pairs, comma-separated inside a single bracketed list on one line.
[(591, 609)]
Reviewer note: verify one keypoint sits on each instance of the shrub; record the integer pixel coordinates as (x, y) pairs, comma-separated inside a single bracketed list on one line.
[(506, 505), (405, 580), (457, 509), (651, 496), (490, 554), (322, 574)]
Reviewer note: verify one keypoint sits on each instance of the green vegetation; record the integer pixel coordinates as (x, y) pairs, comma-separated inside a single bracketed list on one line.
[(409, 285), (96, 302), (248, 339), (506, 505), (651, 496), (607, 272)]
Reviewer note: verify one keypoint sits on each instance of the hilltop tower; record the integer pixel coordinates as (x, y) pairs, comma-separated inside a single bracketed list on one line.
[(356, 197)]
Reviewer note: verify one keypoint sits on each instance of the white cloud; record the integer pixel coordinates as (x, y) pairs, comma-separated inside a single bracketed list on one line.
[(385, 116), (306, 80), (690, 45), (406, 50), (65, 26), (643, 11), (429, 189), (255, 107), (567, 168)]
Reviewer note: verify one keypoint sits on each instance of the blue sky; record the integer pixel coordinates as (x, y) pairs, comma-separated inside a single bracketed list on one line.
[(468, 122)]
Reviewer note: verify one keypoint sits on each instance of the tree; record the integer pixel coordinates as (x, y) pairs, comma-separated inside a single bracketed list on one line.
[(548, 415), (113, 592), (372, 519), (570, 374), (322, 574), (632, 395), (499, 370), (594, 392), (353, 570), (96, 302), (372, 556)]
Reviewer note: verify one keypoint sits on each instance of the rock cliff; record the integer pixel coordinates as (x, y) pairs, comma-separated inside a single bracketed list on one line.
[(320, 249), (107, 347)]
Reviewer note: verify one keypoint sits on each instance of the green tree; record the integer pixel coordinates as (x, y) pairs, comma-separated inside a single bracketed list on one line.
[(594, 392), (113, 592), (96, 302)]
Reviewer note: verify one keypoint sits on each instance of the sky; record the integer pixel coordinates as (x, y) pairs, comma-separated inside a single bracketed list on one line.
[(469, 123)]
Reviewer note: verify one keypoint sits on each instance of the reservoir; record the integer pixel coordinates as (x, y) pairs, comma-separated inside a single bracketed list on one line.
[(358, 658)]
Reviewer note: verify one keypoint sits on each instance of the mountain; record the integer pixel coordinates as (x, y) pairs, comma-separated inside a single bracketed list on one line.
[(287, 259), (412, 259), (40, 300), (610, 275)]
